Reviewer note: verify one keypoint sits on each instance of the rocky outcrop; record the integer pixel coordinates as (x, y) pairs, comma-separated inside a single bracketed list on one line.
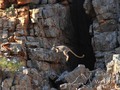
[(94, 80), (27, 35), (105, 28)]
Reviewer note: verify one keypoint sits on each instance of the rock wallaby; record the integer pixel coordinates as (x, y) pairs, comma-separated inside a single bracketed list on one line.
[(64, 49)]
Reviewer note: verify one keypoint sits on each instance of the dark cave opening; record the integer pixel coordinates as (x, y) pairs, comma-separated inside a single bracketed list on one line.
[(81, 40)]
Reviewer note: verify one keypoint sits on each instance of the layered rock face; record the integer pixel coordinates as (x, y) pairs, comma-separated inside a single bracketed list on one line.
[(30, 28), (28, 35), (106, 30)]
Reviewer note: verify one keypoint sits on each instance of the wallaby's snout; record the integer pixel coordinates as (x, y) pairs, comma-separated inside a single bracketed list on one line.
[(52, 48)]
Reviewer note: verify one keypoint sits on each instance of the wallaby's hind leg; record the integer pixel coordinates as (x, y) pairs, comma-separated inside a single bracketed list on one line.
[(65, 53), (67, 57)]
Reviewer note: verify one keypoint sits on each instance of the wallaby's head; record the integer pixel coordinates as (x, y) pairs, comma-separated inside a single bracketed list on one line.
[(53, 47)]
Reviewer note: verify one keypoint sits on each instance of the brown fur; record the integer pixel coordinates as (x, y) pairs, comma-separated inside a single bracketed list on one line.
[(64, 49)]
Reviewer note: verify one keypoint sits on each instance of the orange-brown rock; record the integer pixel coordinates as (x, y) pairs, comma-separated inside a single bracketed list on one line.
[(5, 46), (64, 2), (22, 2), (4, 4), (23, 17), (11, 39)]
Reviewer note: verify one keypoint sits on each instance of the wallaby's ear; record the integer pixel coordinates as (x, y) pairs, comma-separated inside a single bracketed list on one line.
[(53, 45)]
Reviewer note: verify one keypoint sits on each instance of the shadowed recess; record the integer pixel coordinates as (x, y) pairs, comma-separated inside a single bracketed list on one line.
[(81, 40)]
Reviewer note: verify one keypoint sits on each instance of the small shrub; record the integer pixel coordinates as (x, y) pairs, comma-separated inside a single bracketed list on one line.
[(10, 65), (10, 10)]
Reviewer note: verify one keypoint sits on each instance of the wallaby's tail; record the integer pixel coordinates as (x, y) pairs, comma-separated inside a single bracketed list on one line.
[(77, 55)]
